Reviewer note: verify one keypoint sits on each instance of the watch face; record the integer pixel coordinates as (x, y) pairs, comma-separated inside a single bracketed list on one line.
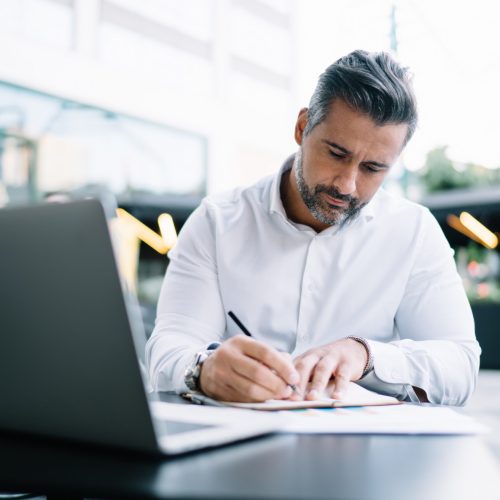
[(191, 377), (192, 374)]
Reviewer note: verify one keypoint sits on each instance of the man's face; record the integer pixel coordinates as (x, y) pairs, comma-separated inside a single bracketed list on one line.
[(343, 161)]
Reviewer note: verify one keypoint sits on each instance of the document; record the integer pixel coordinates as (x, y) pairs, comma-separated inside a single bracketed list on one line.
[(360, 411), (407, 418), (354, 396)]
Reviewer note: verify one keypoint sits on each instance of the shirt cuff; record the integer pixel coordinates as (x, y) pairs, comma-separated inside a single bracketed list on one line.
[(390, 374)]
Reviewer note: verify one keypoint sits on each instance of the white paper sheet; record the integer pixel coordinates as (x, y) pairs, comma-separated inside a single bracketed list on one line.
[(397, 419), (354, 396)]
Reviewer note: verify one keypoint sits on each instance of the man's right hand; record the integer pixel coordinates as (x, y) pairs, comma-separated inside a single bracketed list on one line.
[(246, 370)]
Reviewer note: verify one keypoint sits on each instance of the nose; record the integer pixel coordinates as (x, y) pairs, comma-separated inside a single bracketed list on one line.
[(345, 181)]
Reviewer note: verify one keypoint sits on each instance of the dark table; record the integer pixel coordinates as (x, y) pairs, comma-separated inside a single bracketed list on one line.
[(272, 467)]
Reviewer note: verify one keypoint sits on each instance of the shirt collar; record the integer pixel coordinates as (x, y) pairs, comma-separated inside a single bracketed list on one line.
[(368, 212), (276, 204)]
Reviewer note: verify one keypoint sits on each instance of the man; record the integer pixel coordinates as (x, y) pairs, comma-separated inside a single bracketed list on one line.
[(336, 279)]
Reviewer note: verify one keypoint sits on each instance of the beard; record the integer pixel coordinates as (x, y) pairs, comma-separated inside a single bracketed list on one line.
[(320, 209)]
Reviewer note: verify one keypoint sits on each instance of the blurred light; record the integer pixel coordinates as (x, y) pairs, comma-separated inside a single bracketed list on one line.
[(454, 222), (127, 251), (487, 238), (143, 232), (473, 268), (483, 290), (167, 230)]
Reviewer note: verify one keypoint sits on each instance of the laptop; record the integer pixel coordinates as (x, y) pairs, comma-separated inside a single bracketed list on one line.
[(69, 367)]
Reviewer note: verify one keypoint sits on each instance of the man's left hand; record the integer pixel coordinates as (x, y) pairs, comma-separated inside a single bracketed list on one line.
[(343, 360)]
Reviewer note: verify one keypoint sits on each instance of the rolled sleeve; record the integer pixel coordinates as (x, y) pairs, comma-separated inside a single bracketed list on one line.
[(437, 350)]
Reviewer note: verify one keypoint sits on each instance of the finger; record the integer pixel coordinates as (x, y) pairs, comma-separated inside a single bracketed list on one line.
[(261, 375), (228, 385), (342, 380), (304, 366), (295, 391), (235, 390), (273, 359), (247, 390), (322, 374)]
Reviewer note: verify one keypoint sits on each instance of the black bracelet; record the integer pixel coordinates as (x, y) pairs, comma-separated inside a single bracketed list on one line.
[(369, 362)]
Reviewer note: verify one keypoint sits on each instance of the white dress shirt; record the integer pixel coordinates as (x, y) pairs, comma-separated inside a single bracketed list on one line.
[(389, 277)]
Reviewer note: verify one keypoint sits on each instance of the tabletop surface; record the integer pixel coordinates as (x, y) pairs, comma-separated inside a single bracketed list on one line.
[(281, 466), (277, 466)]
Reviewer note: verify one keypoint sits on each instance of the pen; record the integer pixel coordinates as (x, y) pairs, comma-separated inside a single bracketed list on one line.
[(239, 323), (200, 399), (244, 329)]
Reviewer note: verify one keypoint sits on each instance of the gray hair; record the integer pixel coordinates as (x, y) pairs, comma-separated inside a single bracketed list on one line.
[(370, 82)]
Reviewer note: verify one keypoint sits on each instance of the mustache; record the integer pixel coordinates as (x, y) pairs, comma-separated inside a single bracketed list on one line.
[(335, 193)]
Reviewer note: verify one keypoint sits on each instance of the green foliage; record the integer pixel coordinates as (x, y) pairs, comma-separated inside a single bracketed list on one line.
[(476, 252), (440, 173)]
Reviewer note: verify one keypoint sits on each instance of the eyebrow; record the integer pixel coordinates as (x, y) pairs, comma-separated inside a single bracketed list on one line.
[(337, 146), (347, 152)]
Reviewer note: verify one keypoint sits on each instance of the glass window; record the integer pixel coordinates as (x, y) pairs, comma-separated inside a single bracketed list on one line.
[(48, 144)]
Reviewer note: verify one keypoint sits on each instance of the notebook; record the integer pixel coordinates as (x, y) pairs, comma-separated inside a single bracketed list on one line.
[(68, 362), (355, 395)]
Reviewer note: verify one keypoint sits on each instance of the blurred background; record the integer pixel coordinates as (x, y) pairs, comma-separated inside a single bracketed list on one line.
[(152, 104)]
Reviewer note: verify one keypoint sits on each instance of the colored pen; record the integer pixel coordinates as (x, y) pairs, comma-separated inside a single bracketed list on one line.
[(244, 329)]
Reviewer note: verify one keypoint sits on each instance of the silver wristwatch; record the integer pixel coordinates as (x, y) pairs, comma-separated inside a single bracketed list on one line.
[(192, 373)]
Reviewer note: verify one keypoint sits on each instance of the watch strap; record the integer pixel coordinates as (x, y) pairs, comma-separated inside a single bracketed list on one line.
[(193, 371)]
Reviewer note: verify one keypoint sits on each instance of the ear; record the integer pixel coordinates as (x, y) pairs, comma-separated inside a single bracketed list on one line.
[(300, 125)]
